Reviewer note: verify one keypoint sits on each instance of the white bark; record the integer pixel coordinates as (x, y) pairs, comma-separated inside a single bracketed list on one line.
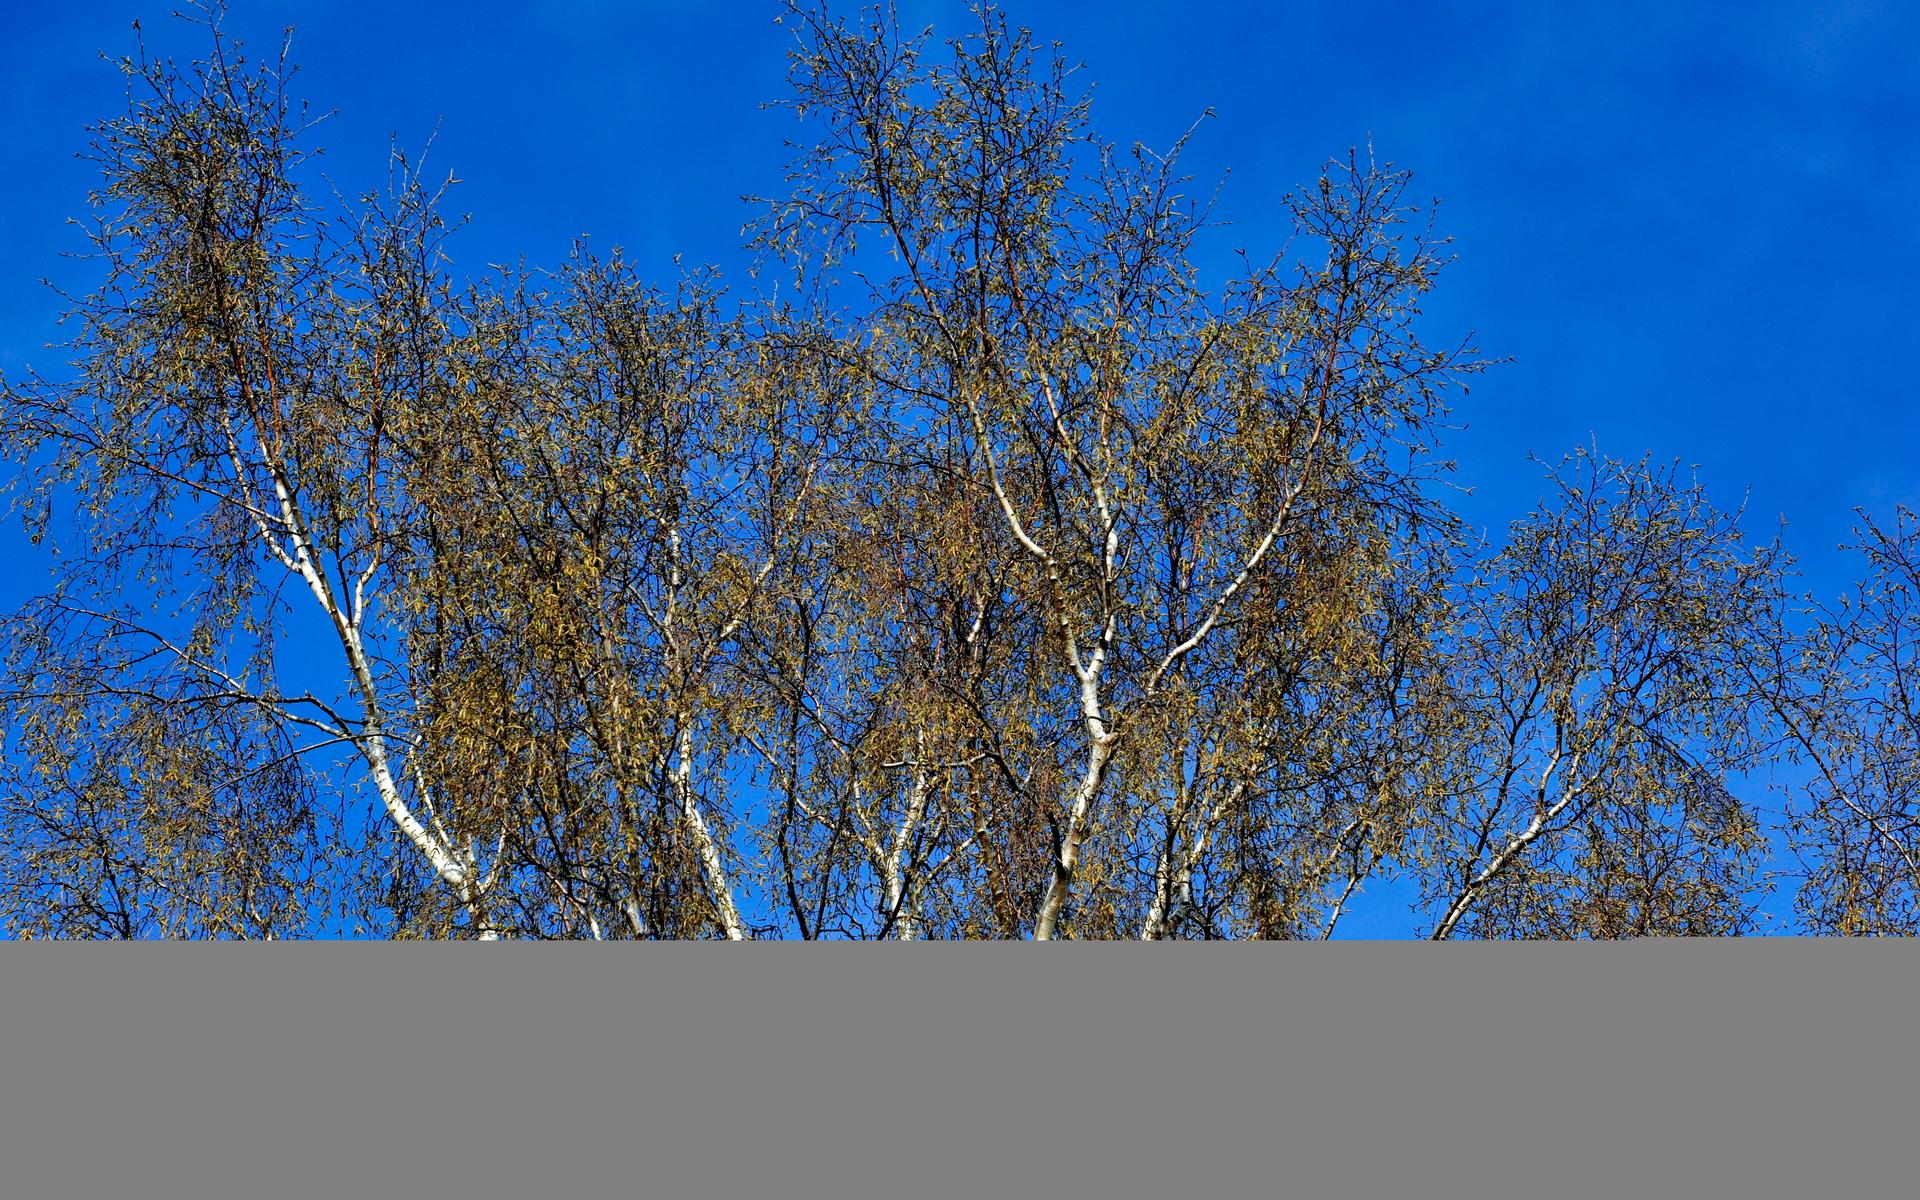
[(1544, 815), (1173, 887), (1067, 860), (704, 843), (712, 864), (636, 922), (457, 873), (895, 866)]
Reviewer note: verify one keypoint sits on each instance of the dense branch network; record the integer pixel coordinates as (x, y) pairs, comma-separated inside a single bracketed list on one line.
[(1025, 581)]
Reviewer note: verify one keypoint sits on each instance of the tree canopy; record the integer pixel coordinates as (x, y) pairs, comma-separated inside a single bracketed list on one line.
[(1003, 575)]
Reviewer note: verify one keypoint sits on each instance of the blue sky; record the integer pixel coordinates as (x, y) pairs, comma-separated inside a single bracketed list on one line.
[(1689, 225)]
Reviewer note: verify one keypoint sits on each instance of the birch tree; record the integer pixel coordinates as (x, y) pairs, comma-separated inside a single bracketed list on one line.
[(620, 483), (1156, 473), (224, 440), (1851, 720), (1608, 655), (1017, 570), (522, 524)]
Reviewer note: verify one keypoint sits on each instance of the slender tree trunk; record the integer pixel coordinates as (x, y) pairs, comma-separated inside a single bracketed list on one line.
[(703, 840), (1067, 860)]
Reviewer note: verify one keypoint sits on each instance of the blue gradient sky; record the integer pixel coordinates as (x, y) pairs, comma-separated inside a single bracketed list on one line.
[(1689, 225)]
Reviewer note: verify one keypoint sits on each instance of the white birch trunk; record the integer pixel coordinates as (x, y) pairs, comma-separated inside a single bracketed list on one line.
[(457, 874), (704, 844), (1173, 886), (894, 867), (1067, 861), (1463, 902)]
